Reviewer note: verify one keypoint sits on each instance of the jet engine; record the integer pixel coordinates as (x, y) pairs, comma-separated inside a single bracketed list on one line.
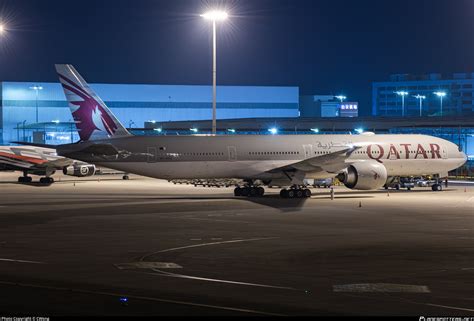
[(364, 176), (79, 170)]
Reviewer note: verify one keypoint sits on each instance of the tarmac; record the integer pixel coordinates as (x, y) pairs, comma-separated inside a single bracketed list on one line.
[(104, 246)]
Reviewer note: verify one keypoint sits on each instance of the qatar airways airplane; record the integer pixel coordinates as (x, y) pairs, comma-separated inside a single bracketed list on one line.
[(363, 162)]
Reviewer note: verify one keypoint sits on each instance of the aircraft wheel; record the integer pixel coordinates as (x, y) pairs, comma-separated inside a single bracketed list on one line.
[(397, 187), (284, 193), (307, 193), (237, 191), (260, 191), (253, 191), (437, 188), (46, 180), (245, 192), (291, 193), (299, 193), (126, 177), (24, 179)]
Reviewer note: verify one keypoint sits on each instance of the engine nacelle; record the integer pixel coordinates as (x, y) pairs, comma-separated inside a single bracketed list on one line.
[(364, 176), (79, 170)]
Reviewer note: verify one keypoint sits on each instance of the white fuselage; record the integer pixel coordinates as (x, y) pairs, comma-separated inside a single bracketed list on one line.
[(254, 157)]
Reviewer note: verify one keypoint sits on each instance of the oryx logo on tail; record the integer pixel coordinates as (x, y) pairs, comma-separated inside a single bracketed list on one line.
[(88, 114), (92, 117)]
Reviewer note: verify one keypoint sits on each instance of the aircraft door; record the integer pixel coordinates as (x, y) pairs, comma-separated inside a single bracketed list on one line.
[(308, 151), (152, 155), (232, 153)]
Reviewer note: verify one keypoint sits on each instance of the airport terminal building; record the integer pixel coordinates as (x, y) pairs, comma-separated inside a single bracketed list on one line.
[(38, 112)]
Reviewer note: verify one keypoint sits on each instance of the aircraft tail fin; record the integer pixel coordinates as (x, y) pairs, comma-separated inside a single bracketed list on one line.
[(94, 120)]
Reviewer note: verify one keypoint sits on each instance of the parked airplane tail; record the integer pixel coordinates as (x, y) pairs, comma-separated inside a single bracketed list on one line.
[(94, 120)]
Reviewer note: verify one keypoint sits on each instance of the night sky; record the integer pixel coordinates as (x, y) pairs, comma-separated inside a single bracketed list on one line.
[(322, 46)]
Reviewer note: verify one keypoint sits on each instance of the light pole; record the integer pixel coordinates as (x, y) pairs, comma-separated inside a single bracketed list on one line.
[(37, 89), (214, 16), (403, 94), (341, 98), (441, 95), (421, 98)]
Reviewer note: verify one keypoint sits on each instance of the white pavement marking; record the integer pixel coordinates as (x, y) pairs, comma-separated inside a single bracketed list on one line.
[(147, 265), (210, 220), (449, 307), (189, 277), (143, 298), (381, 287), (206, 244), (182, 276), (21, 261)]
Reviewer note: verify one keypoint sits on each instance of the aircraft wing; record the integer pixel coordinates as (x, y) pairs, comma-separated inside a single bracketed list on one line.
[(19, 158), (330, 163), (19, 162)]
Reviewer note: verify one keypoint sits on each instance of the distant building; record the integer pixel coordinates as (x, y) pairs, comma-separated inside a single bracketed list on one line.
[(349, 110), (133, 105), (327, 106), (459, 89)]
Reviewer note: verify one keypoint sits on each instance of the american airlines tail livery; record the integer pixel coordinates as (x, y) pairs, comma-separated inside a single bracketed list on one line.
[(363, 162)]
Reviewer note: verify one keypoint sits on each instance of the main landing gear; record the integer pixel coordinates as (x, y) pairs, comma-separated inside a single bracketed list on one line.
[(25, 179), (43, 180), (46, 180), (249, 191), (295, 192)]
